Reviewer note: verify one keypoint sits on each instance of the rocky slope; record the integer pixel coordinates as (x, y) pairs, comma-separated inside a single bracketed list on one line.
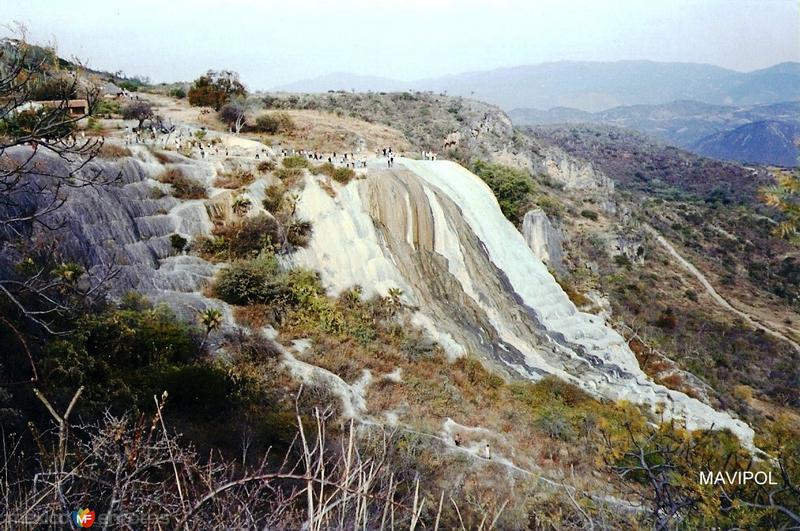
[(767, 142), (762, 134)]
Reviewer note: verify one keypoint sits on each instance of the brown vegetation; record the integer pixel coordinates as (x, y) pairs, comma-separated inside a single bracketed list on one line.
[(183, 187)]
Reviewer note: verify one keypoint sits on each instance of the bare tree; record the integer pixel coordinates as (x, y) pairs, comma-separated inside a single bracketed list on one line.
[(661, 468)]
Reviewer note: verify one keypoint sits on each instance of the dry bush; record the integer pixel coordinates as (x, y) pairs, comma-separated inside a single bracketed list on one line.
[(298, 232), (274, 198), (248, 237), (234, 179), (289, 176), (275, 122), (136, 474), (162, 157), (266, 166), (183, 187), (113, 151)]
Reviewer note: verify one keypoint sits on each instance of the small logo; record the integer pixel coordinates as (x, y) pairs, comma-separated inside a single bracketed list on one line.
[(83, 518)]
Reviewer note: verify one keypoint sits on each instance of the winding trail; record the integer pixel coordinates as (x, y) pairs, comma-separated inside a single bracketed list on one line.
[(719, 299)]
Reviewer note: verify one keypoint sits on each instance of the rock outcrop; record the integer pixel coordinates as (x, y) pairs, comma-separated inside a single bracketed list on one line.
[(573, 174), (543, 239)]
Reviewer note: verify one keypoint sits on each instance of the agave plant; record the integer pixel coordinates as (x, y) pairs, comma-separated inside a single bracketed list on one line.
[(68, 272), (393, 300), (211, 319), (241, 205), (785, 196)]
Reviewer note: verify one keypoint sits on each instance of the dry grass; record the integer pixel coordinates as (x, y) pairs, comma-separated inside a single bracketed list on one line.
[(113, 151), (234, 179), (326, 132), (183, 187)]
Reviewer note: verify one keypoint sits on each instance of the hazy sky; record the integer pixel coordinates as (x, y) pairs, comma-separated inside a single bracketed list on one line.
[(274, 42)]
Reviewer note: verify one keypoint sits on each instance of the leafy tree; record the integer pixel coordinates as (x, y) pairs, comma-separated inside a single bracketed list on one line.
[(234, 115), (662, 467), (138, 110), (215, 89)]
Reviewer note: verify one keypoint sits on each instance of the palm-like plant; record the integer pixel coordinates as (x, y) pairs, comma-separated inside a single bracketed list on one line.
[(241, 205), (211, 319), (785, 196), (394, 300)]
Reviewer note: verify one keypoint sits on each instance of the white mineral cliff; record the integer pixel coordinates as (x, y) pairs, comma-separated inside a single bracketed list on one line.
[(543, 239), (434, 229)]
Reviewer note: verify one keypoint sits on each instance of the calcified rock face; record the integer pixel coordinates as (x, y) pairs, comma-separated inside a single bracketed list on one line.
[(127, 226), (543, 239), (435, 230)]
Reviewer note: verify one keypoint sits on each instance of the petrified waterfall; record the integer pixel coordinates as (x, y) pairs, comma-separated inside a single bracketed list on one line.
[(434, 230)]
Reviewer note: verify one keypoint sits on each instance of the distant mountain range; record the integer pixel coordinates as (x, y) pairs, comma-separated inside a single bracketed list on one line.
[(766, 134), (345, 81), (766, 142), (747, 117), (590, 86)]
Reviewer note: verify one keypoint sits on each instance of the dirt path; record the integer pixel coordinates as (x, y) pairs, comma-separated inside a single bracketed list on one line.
[(757, 323)]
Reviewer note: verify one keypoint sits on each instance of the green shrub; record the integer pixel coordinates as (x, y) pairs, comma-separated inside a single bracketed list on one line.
[(275, 122), (295, 161), (119, 356), (510, 186), (198, 390), (31, 122), (589, 214), (555, 424), (251, 281), (622, 260), (211, 248), (178, 242), (342, 175), (105, 107)]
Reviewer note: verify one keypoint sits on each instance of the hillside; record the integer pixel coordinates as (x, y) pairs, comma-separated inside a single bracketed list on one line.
[(637, 162), (685, 124), (392, 329), (766, 142)]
